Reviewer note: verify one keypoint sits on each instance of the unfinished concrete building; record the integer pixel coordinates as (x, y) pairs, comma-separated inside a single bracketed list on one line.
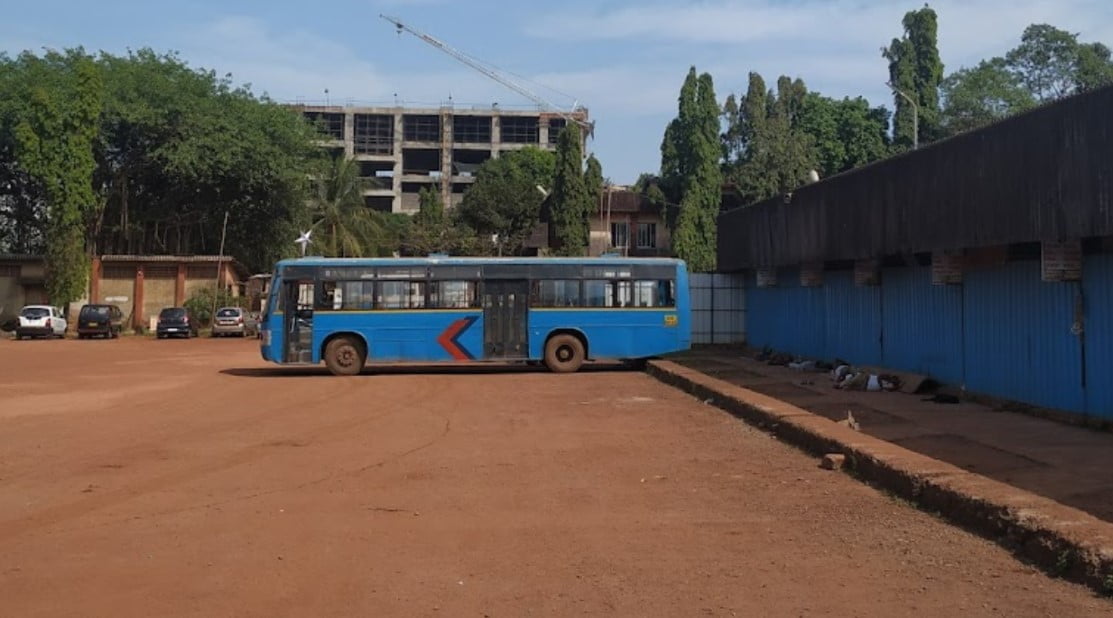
[(404, 150)]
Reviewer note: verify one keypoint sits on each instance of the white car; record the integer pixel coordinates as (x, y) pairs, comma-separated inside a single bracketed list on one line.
[(40, 321)]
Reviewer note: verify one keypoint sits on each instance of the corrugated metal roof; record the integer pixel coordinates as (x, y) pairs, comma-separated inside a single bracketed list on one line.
[(1040, 176)]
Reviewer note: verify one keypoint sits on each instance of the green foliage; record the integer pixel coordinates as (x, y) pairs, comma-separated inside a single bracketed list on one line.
[(200, 303), (1048, 64), (343, 225), (431, 208), (981, 95), (53, 137), (845, 133), (690, 171), (593, 179), (174, 149), (430, 231), (916, 70), (1051, 63), (504, 199), (570, 202), (769, 153)]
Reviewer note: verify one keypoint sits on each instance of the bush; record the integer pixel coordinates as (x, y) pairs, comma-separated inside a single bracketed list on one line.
[(201, 303)]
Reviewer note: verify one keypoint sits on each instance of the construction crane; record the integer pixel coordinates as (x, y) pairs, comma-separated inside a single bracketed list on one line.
[(496, 74)]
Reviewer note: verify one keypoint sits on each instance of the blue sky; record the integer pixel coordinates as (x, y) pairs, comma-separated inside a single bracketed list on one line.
[(624, 59)]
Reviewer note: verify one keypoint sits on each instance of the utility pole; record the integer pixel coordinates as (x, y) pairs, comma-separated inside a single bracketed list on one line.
[(219, 264), (915, 115)]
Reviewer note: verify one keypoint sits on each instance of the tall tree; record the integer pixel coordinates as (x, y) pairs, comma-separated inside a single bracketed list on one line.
[(570, 202), (54, 143), (916, 70), (430, 207), (1052, 63), (342, 223), (977, 96), (504, 200), (691, 157), (844, 133), (593, 178), (769, 152)]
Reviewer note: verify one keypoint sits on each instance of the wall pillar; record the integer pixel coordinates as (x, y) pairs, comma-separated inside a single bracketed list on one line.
[(94, 280), (180, 286), (137, 305)]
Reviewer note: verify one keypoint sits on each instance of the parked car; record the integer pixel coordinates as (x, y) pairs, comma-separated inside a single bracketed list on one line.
[(176, 322), (234, 321), (100, 321), (40, 321)]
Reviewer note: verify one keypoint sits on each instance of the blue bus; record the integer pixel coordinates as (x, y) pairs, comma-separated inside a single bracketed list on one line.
[(559, 311)]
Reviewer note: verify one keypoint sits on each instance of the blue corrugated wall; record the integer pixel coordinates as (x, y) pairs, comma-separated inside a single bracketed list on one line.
[(1018, 340), (922, 324), (1097, 281), (1003, 332)]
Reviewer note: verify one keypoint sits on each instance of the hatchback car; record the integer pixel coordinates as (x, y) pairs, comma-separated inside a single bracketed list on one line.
[(40, 321), (175, 322), (235, 322), (100, 321)]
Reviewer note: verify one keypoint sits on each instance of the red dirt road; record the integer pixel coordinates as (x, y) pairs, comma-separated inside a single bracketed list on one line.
[(142, 477)]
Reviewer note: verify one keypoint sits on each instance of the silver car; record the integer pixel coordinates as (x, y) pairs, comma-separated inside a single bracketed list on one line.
[(234, 321)]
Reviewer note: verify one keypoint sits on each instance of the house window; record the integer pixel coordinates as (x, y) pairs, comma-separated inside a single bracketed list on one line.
[(620, 234), (647, 235)]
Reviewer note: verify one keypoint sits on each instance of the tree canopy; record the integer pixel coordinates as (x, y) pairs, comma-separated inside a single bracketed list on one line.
[(916, 70), (570, 203), (504, 199), (170, 150)]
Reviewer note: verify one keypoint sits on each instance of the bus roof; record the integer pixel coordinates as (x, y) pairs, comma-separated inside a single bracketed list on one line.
[(449, 261)]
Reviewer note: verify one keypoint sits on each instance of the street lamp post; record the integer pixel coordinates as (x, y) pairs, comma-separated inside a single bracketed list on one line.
[(915, 115)]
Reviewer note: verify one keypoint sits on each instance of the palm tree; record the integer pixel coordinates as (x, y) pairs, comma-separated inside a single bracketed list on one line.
[(345, 226)]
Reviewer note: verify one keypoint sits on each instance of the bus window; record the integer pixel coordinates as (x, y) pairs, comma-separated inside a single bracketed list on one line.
[(453, 295), (653, 294), (625, 294), (327, 299), (401, 295), (556, 293), (598, 293), (357, 295)]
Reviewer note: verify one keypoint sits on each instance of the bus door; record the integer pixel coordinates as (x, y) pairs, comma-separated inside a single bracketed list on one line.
[(298, 321), (505, 307)]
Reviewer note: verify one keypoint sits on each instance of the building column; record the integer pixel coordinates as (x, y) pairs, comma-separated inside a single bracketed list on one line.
[(94, 280), (180, 286), (137, 305), (396, 184), (349, 135), (496, 135)]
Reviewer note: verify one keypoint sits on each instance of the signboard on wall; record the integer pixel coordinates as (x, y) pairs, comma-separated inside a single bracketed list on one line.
[(866, 272), (766, 277), (946, 268), (1062, 261), (811, 275)]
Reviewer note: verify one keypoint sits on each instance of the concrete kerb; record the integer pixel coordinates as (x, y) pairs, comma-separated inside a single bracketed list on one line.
[(1064, 541)]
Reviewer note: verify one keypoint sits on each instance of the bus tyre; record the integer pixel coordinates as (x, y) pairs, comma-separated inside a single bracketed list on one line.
[(344, 356), (564, 354)]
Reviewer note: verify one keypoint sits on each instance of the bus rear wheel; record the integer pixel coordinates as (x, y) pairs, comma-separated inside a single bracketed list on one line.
[(564, 354), (344, 356)]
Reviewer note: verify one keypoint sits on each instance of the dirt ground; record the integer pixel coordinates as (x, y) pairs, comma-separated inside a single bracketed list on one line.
[(142, 477)]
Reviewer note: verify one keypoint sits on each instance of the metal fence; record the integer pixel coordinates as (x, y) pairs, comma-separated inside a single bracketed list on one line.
[(718, 308)]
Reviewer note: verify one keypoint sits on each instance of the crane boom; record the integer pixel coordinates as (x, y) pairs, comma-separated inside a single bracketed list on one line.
[(492, 72)]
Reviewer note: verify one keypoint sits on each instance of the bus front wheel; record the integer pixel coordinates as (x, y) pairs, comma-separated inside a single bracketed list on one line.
[(344, 356), (564, 353)]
